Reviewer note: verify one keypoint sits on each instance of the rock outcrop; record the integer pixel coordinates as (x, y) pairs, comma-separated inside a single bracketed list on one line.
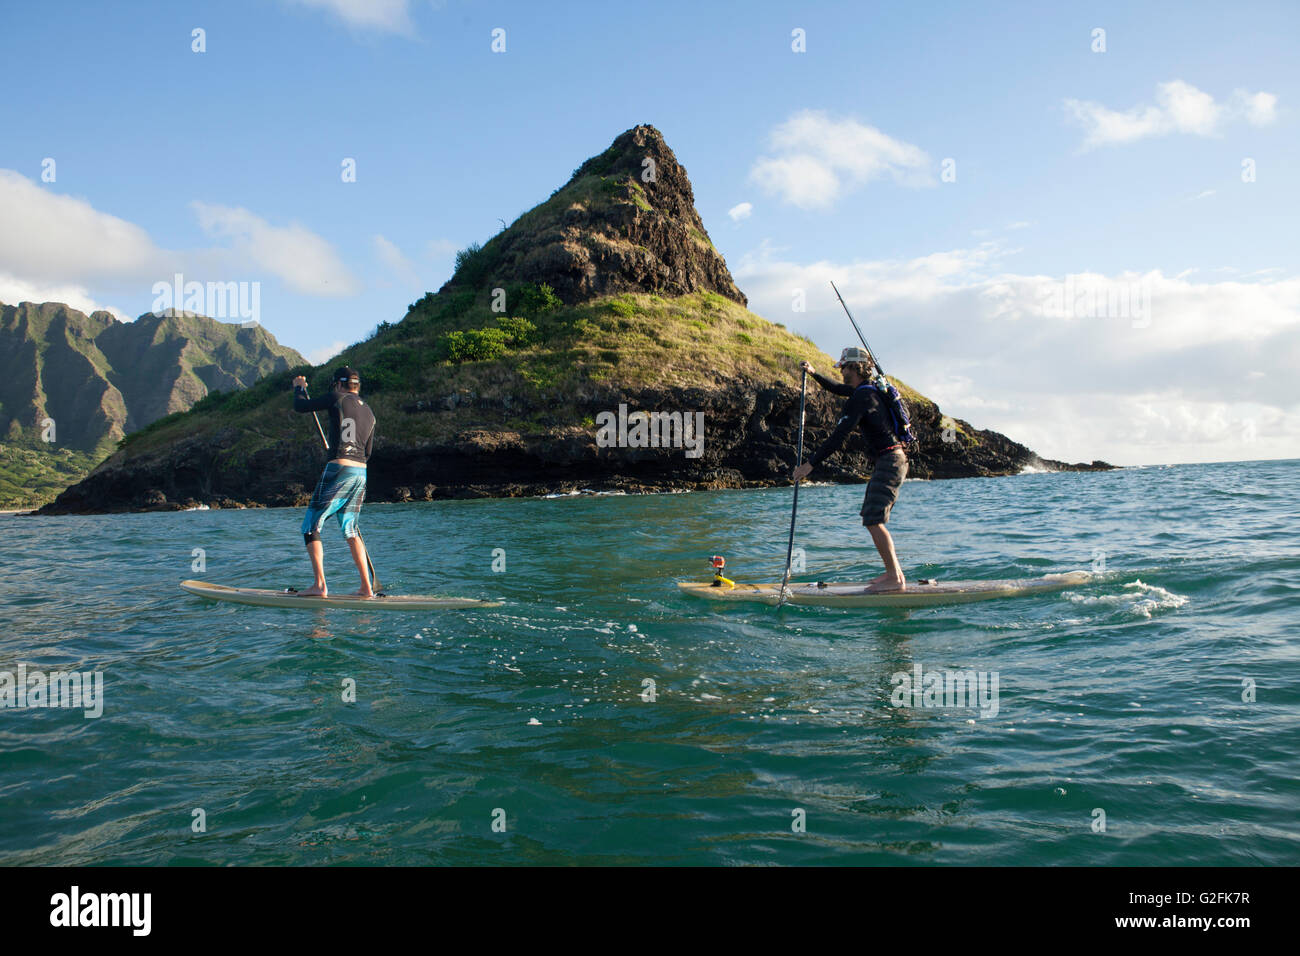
[(625, 222)]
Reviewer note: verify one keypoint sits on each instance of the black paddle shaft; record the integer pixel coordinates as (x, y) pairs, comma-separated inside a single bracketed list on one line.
[(794, 509), (370, 565)]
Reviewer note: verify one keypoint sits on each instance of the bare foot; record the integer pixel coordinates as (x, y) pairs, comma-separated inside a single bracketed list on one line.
[(885, 583), (362, 594), (314, 591)]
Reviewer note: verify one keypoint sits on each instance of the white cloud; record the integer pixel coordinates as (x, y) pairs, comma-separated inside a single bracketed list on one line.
[(379, 16), (440, 248), (50, 237), (14, 290), (1259, 109), (326, 352), (306, 262), (818, 158), (1180, 108), (58, 248), (397, 263), (741, 211), (1205, 373)]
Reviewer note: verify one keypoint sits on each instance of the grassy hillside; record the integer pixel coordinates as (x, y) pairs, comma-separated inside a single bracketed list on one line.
[(520, 371), (32, 472), (528, 363)]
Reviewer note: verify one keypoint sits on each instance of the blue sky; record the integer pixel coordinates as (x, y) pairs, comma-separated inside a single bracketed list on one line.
[(1121, 168)]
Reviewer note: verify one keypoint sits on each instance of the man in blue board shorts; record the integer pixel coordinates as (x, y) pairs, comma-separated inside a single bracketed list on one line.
[(342, 487), (866, 411)]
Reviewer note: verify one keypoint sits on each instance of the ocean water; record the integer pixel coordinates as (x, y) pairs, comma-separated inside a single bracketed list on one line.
[(1162, 699)]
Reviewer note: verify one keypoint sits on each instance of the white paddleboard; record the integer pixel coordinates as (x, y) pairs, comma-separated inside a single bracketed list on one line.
[(261, 597), (916, 595)]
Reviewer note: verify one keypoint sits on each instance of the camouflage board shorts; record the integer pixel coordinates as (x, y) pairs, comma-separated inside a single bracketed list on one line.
[(882, 490)]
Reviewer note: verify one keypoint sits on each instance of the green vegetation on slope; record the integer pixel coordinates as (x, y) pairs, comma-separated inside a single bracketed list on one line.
[(33, 472), (97, 378), (524, 367)]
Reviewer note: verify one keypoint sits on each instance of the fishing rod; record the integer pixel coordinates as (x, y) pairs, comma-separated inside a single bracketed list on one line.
[(899, 416), (861, 337), (794, 509), (370, 565)]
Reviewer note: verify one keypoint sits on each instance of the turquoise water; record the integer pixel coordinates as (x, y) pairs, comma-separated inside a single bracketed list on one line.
[(1123, 696)]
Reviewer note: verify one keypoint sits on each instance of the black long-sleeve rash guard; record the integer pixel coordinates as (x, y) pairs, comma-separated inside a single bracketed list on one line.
[(342, 406), (864, 410)]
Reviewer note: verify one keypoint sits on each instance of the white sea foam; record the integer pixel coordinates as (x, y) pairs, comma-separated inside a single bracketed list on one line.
[(1138, 599)]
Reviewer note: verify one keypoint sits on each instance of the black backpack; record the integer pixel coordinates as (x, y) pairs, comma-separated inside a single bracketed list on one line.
[(898, 413)]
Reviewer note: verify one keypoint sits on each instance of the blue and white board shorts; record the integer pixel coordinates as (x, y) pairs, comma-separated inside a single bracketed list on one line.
[(340, 492)]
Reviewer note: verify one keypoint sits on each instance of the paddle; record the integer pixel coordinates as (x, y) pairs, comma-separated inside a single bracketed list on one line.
[(370, 565), (794, 509)]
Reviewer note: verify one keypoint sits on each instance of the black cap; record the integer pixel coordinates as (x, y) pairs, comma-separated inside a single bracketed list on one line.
[(347, 375)]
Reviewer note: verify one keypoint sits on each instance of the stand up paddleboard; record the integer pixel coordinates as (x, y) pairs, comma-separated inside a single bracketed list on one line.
[(261, 597), (919, 594)]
